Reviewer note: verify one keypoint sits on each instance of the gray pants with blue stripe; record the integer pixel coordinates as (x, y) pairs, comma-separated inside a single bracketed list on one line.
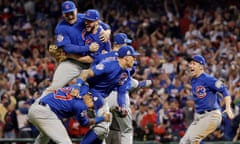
[(202, 125)]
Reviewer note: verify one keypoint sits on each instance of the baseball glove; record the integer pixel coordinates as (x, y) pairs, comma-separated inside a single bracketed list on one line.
[(57, 53), (91, 113), (120, 111)]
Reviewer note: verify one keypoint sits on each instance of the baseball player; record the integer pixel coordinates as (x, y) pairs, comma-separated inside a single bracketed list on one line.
[(47, 113), (103, 78), (70, 39), (92, 31), (205, 89), (122, 125)]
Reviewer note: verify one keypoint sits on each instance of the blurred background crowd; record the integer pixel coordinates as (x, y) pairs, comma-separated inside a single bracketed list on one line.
[(165, 32)]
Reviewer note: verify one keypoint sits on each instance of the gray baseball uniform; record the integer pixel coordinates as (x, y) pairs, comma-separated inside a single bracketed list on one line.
[(205, 90), (202, 125), (47, 121), (124, 125)]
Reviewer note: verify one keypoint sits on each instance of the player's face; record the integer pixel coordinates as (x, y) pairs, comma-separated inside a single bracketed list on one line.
[(75, 92), (90, 25), (88, 101), (70, 17), (130, 61), (195, 68)]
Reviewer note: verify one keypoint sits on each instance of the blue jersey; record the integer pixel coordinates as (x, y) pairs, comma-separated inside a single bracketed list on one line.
[(205, 91), (109, 76), (110, 56), (65, 106), (90, 37), (70, 36)]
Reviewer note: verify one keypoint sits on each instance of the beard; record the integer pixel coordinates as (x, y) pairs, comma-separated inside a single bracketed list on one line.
[(90, 28)]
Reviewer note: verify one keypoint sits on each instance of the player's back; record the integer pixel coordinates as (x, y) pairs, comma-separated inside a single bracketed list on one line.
[(63, 104), (110, 56), (108, 75)]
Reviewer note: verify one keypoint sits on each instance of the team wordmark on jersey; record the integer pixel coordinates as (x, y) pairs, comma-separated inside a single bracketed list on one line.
[(200, 91)]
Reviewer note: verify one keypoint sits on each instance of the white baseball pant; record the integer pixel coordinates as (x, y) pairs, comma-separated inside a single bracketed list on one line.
[(48, 124)]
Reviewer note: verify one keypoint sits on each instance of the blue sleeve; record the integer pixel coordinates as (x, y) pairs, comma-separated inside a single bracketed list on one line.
[(101, 68), (81, 114), (64, 41), (107, 46), (75, 49), (133, 69), (97, 59), (142, 84), (121, 99), (104, 25), (122, 92), (218, 86)]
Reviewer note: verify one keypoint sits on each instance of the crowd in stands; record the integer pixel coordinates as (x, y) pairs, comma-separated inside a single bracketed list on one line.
[(165, 32)]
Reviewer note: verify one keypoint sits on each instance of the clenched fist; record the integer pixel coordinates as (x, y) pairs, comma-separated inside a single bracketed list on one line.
[(93, 47)]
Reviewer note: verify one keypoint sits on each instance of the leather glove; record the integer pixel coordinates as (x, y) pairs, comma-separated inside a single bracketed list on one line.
[(57, 53), (91, 113), (120, 111)]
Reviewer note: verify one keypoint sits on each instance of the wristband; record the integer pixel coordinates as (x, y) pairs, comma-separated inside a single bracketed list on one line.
[(145, 83), (99, 119)]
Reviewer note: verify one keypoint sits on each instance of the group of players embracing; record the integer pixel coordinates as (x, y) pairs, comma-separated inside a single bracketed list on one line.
[(90, 83)]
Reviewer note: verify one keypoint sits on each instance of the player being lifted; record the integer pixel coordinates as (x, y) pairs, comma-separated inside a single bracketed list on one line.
[(205, 89), (92, 31), (71, 41)]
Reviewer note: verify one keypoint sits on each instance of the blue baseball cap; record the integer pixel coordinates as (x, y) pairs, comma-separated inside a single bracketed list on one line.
[(127, 51), (82, 88), (68, 6), (97, 98), (198, 58), (92, 15), (121, 38)]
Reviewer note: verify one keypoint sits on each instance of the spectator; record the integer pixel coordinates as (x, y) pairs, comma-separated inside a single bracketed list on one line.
[(188, 112), (10, 129), (176, 119), (155, 27), (148, 133), (149, 118)]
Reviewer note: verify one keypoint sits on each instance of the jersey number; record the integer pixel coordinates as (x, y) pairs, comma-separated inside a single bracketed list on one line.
[(61, 97)]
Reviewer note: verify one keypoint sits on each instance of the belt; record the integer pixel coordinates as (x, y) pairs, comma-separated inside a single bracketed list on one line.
[(205, 111), (42, 103), (115, 129)]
